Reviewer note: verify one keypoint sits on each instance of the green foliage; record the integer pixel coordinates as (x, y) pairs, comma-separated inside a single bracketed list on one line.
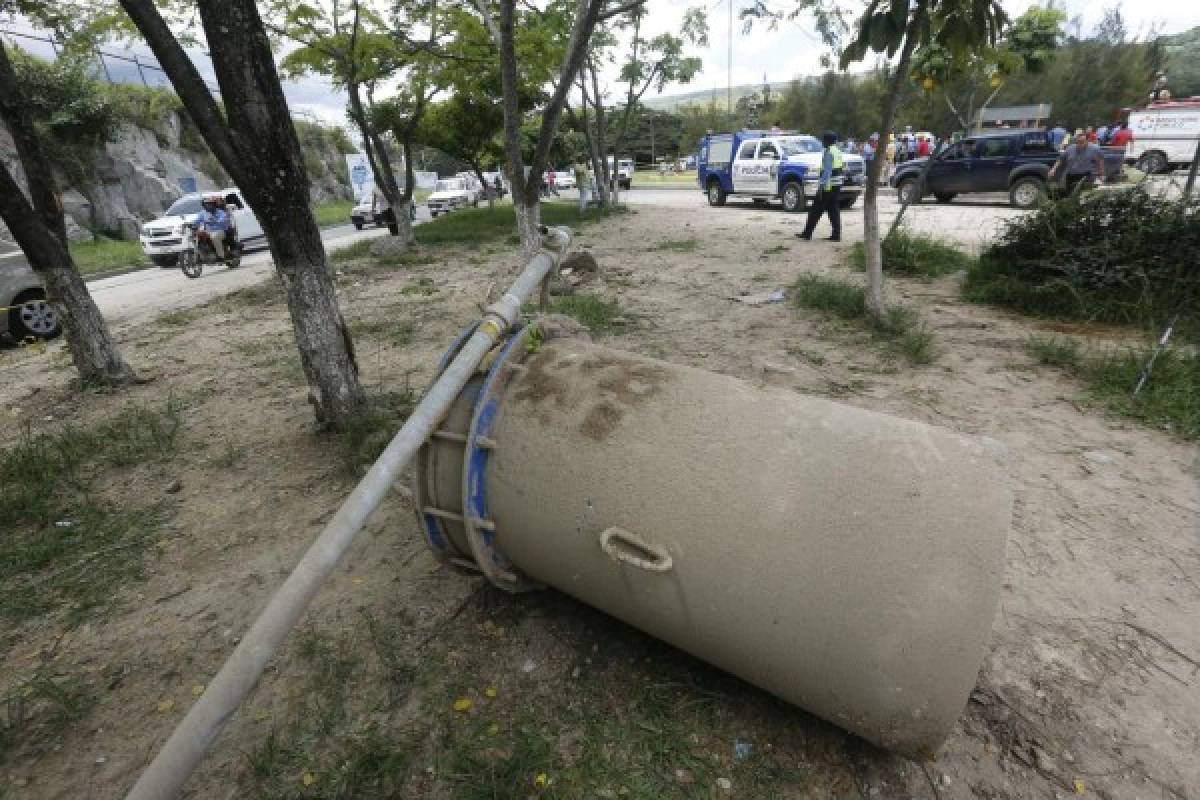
[(901, 331), (596, 313), (332, 212), (368, 433), (1170, 399), (38, 708), (149, 109), (1182, 55), (1121, 256), (918, 255), (71, 112)]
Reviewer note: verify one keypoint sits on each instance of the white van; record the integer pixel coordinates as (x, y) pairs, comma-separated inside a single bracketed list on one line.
[(1164, 135), (162, 238)]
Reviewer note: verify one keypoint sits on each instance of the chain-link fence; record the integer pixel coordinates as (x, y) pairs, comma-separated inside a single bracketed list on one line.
[(117, 68)]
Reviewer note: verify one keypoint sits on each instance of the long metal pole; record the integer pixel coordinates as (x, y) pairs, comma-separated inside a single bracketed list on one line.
[(182, 753)]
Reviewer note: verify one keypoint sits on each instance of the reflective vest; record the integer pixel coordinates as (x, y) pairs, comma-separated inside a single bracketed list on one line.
[(839, 168)]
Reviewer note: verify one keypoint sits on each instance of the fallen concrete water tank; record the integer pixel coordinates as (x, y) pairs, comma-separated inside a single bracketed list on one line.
[(846, 561)]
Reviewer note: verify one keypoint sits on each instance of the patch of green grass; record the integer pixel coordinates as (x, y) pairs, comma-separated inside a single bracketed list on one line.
[(369, 433), (675, 246), (180, 318), (38, 709), (351, 252), (834, 297), (1169, 401), (779, 248), (917, 255), (66, 546), (332, 212), (1054, 351), (901, 330), (598, 314), (483, 224), (422, 287), (104, 254), (396, 333)]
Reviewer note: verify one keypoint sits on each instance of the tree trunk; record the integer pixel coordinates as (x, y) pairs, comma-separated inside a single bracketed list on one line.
[(488, 191), (377, 157), (529, 217), (876, 300), (39, 228), (260, 151)]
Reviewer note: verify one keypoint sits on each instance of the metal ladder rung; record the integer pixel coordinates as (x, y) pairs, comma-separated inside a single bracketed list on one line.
[(443, 513), (450, 436)]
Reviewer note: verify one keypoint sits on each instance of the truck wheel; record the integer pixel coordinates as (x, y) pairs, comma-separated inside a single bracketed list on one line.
[(716, 195), (1153, 163), (847, 201), (944, 197), (1027, 192), (793, 197), (906, 192)]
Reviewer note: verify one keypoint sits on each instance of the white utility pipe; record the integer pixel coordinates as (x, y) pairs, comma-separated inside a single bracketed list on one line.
[(182, 753)]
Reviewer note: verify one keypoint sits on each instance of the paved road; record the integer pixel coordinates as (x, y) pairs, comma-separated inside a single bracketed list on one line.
[(140, 295), (136, 296)]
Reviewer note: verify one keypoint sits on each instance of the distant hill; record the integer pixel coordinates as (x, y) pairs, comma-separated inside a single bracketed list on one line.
[(703, 97), (1183, 62)]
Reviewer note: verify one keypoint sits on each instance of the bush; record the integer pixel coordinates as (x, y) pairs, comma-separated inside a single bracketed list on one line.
[(918, 255), (1110, 256)]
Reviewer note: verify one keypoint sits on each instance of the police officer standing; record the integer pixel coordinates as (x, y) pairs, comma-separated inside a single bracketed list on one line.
[(829, 190)]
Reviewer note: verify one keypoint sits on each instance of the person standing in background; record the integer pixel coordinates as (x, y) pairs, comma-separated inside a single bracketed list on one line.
[(583, 184), (1079, 166), (1090, 133), (1058, 135), (1123, 136)]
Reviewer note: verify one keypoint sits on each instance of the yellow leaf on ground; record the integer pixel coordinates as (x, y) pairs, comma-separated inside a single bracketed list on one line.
[(490, 691), (308, 779), (540, 781), (1078, 785), (462, 704), (165, 705), (197, 689)]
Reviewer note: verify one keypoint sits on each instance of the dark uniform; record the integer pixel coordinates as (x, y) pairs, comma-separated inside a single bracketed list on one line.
[(829, 191)]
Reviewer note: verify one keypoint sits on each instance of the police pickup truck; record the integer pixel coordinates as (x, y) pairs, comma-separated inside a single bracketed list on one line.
[(764, 165)]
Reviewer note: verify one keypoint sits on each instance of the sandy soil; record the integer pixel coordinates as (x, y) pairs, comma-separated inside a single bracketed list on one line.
[(1090, 684)]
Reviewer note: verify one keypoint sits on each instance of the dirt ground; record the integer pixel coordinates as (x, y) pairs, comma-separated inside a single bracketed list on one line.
[(411, 680)]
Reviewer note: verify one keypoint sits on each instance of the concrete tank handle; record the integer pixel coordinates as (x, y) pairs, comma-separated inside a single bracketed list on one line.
[(629, 548)]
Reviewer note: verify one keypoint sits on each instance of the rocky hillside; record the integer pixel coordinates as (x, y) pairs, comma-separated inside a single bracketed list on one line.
[(141, 170)]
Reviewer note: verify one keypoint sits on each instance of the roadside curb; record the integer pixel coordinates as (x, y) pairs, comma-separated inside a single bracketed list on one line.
[(113, 273)]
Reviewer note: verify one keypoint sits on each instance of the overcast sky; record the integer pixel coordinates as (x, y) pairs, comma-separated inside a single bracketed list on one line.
[(792, 49)]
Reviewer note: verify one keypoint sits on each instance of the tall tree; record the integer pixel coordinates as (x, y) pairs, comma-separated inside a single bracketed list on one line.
[(500, 18), (901, 26), (357, 47), (253, 137), (38, 224), (1028, 45)]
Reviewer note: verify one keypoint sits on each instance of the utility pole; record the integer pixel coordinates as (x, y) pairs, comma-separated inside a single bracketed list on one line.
[(729, 64)]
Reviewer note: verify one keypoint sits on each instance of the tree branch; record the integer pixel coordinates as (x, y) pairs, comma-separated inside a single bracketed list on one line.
[(488, 21), (623, 9)]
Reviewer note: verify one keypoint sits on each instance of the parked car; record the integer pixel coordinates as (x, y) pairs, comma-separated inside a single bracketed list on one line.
[(474, 187), (162, 238), (26, 312), (564, 179), (1017, 162), (450, 194)]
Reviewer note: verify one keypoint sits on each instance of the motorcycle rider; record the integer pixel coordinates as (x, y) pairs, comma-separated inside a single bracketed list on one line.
[(213, 220)]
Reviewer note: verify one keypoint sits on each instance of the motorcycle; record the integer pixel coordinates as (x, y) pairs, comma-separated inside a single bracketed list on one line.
[(198, 250)]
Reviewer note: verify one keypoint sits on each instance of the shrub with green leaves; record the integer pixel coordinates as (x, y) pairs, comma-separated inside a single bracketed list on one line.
[(1111, 256)]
